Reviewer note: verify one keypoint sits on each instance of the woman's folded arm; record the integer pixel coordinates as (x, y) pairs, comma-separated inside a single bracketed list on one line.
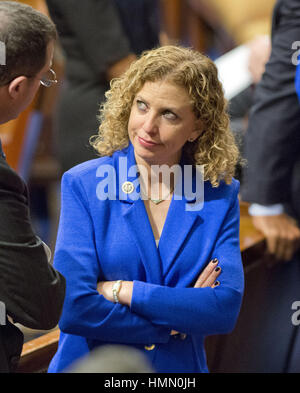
[(200, 310)]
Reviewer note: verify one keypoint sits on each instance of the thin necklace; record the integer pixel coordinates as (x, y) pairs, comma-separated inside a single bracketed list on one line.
[(157, 201)]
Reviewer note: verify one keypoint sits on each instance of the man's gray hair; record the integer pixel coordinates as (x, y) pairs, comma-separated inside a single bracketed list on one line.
[(25, 33)]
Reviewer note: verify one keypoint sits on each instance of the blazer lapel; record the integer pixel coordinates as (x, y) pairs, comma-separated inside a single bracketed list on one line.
[(140, 228), (178, 225), (183, 214), (135, 215)]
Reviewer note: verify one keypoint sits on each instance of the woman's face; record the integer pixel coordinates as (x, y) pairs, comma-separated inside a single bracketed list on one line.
[(160, 123)]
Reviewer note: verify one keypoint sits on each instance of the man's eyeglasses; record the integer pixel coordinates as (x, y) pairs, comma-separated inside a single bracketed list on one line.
[(48, 79)]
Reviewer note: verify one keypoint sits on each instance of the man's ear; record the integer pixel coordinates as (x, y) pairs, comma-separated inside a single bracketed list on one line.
[(16, 86)]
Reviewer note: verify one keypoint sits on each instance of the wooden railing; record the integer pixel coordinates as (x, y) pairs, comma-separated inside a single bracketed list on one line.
[(37, 353)]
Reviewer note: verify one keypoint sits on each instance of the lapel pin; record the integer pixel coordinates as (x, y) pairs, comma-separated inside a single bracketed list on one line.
[(127, 187)]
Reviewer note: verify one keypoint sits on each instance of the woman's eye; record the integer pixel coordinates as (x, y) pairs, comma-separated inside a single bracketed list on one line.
[(141, 105), (170, 115)]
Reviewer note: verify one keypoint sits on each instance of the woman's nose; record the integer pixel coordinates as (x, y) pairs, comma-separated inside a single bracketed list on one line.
[(150, 125)]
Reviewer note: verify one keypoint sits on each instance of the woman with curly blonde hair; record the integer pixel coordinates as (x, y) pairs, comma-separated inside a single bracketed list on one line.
[(215, 149), (145, 264)]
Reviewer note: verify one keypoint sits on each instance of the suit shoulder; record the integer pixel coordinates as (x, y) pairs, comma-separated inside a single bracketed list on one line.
[(224, 194), (88, 167), (233, 187), (9, 179), (224, 189)]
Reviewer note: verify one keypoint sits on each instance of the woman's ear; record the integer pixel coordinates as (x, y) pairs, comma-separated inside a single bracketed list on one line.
[(199, 129), (16, 86)]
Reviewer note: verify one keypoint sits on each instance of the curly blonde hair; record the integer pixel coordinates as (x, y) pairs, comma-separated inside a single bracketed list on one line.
[(215, 148)]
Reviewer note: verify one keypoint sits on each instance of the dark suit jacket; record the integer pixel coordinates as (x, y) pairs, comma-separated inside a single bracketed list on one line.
[(94, 34), (272, 144), (30, 289)]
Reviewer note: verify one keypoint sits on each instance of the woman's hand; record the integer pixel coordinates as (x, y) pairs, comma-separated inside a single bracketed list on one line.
[(105, 288), (125, 294), (209, 275)]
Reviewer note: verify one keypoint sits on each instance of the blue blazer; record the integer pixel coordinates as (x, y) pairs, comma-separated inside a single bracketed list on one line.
[(112, 239)]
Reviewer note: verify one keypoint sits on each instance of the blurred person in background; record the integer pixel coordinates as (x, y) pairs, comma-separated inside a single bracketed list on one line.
[(272, 140), (100, 39), (271, 183), (112, 359)]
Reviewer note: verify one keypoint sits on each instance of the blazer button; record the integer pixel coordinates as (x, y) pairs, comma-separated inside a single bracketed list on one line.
[(150, 347)]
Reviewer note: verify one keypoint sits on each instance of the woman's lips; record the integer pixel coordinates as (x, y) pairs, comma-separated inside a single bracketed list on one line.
[(146, 143)]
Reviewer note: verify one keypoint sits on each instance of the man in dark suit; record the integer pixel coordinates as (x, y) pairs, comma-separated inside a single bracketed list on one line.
[(31, 291), (271, 183)]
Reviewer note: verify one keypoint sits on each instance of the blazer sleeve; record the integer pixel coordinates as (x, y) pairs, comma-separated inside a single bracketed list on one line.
[(199, 311), (31, 289), (96, 28), (86, 312), (272, 141)]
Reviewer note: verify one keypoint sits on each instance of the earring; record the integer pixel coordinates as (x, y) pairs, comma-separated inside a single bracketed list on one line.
[(191, 139)]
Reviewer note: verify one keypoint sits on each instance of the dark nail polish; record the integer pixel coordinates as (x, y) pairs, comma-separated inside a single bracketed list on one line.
[(214, 260), (217, 283), (217, 269)]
